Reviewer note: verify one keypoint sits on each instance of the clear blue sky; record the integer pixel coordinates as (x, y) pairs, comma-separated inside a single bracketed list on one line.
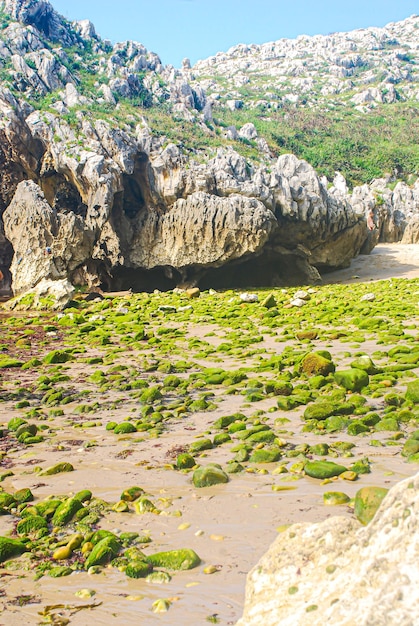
[(200, 28)]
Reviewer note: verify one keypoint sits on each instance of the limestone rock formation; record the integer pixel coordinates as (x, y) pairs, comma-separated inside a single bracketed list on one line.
[(92, 189), (46, 245), (338, 573), (309, 70)]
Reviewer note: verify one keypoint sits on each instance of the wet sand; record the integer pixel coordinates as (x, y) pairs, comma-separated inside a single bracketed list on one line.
[(229, 526)]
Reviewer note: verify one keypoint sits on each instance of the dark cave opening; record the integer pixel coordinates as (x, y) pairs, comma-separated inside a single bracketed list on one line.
[(136, 195), (268, 270), (62, 195)]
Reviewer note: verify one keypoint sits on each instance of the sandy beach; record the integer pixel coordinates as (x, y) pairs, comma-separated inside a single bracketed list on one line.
[(230, 526)]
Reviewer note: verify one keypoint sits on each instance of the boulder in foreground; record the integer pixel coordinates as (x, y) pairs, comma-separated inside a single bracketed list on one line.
[(337, 572)]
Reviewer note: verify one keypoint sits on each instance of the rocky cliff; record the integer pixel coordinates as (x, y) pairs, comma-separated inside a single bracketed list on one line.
[(114, 174)]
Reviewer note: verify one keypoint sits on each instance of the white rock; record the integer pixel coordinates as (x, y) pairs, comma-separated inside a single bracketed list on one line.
[(350, 575), (249, 297)]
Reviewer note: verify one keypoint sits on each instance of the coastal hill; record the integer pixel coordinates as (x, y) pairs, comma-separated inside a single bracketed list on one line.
[(250, 168)]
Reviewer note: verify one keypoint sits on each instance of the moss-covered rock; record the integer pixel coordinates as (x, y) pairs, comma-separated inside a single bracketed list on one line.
[(57, 469), (200, 445), (412, 392), (183, 559), (103, 552), (319, 410), (58, 356), (66, 511), (33, 526), (10, 548), (138, 569), (353, 379), (365, 363), (265, 455), (314, 364), (124, 428), (333, 498), (132, 493), (185, 461), (411, 446), (367, 501), (208, 475), (323, 469)]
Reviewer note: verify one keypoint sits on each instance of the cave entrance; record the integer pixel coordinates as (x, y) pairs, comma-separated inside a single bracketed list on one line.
[(125, 278), (137, 195), (62, 195)]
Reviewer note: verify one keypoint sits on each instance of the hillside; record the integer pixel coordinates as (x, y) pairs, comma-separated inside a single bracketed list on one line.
[(134, 174)]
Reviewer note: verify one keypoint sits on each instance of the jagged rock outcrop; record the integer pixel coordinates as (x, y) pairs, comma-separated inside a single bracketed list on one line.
[(112, 199), (338, 573), (46, 245), (379, 64)]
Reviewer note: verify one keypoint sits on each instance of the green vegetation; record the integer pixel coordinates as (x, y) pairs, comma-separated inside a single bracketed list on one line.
[(360, 146)]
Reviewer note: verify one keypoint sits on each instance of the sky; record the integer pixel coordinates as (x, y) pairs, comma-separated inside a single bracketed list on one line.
[(197, 29)]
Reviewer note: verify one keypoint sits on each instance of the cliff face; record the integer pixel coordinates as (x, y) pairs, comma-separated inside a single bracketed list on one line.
[(92, 189)]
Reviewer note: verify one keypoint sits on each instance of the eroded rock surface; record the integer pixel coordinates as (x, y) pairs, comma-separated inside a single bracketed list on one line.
[(339, 573)]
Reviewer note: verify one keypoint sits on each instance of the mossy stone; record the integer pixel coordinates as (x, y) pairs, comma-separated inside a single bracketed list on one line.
[(335, 423), (200, 445), (59, 468), (265, 455), (57, 356), (10, 548), (367, 501), (356, 427), (60, 571), (23, 495), (314, 364), (33, 526), (208, 475), (321, 449), (388, 423), (323, 469), (319, 410), (124, 428), (138, 569), (183, 559), (66, 511), (365, 363), (411, 446), (221, 438), (263, 436), (185, 461), (334, 498), (103, 552), (412, 392), (132, 493), (353, 379), (269, 302)]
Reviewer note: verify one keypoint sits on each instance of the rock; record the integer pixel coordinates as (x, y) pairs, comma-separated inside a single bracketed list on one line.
[(342, 572), (269, 302), (367, 501), (319, 410), (175, 559), (334, 498), (368, 297), (364, 362), (298, 302), (208, 475), (353, 379), (249, 297), (46, 245), (323, 469), (48, 294), (314, 364), (412, 392)]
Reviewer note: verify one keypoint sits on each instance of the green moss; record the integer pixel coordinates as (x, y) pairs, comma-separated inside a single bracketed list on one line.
[(323, 469), (367, 501), (211, 474), (184, 559)]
